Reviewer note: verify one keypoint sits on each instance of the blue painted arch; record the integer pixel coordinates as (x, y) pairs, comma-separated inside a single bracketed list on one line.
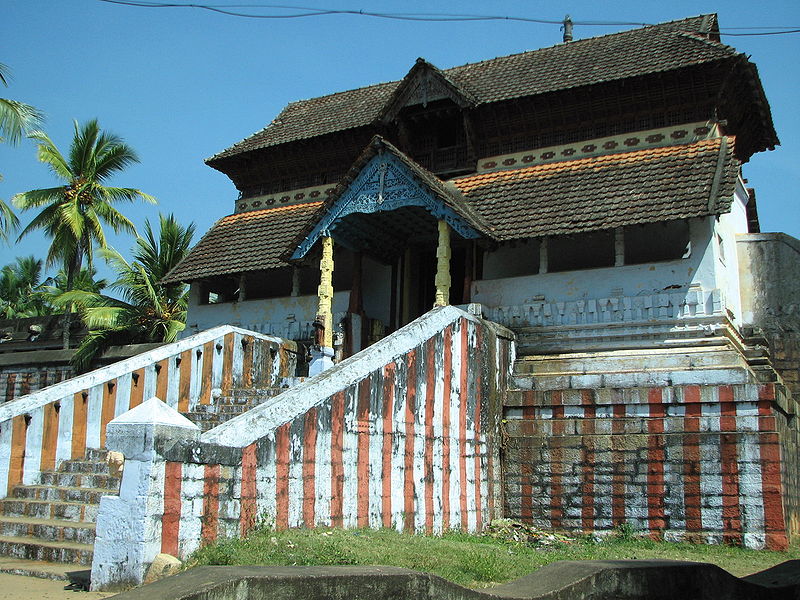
[(384, 184)]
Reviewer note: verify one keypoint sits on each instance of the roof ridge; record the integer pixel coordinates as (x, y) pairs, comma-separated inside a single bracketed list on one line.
[(477, 83), (582, 40)]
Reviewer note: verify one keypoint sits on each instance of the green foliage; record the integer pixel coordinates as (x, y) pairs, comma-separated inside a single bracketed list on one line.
[(16, 119), (624, 531), (73, 215), (149, 311), (22, 292)]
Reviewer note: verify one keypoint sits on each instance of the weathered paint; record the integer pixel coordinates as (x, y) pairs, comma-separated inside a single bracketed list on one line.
[(693, 462), (63, 420), (362, 449), (19, 380)]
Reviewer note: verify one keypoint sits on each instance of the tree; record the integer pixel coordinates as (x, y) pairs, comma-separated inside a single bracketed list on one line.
[(149, 311), (16, 119), (22, 290), (72, 215)]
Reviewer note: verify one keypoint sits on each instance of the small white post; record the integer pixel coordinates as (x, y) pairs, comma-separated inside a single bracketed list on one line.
[(129, 525)]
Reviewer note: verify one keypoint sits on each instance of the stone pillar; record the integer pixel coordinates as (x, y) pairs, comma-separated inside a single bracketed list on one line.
[(322, 353), (129, 525), (442, 280)]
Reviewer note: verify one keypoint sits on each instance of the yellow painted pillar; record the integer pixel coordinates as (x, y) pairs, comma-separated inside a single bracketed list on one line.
[(442, 280), (325, 292)]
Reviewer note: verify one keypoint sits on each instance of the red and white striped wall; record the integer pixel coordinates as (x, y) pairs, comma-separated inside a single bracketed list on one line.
[(60, 422), (399, 435), (688, 462), (20, 381)]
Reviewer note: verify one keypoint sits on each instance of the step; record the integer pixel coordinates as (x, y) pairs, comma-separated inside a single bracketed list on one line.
[(90, 467), (47, 529), (36, 568), (46, 509), (630, 379), (60, 494), (90, 480), (582, 363), (96, 454), (36, 549)]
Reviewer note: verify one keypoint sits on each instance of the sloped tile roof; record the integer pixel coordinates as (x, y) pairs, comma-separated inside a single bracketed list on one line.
[(643, 186), (641, 51), (249, 241)]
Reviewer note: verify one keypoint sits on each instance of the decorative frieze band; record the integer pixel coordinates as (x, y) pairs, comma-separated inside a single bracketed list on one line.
[(666, 136), (299, 196)]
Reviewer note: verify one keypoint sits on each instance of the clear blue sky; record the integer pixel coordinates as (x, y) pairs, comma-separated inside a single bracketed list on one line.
[(181, 84)]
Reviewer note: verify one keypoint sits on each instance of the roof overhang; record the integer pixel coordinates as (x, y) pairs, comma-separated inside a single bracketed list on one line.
[(385, 183)]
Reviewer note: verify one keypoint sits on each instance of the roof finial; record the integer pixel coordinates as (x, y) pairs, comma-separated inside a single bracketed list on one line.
[(567, 29)]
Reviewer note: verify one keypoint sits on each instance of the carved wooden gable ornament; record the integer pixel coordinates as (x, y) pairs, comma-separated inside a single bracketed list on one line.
[(384, 184)]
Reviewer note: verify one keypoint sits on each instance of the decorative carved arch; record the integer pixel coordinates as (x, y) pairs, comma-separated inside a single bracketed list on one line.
[(384, 184)]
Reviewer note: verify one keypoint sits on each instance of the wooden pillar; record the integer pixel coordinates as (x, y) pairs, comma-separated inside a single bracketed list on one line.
[(295, 281), (325, 292), (442, 280), (242, 287), (619, 247), (406, 285), (354, 336), (469, 267), (543, 249), (356, 302)]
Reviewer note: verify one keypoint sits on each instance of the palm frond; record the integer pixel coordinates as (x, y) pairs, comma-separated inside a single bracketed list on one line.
[(127, 195), (8, 220), (48, 153), (16, 119)]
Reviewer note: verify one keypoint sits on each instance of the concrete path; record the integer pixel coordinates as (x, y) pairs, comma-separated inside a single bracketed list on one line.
[(20, 587)]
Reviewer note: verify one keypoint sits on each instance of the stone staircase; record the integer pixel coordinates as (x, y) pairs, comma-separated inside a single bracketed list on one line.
[(236, 402), (635, 368), (48, 528)]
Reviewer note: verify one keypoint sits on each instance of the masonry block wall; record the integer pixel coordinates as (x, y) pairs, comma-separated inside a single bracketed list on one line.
[(60, 422), (16, 382), (692, 462), (785, 413), (399, 435)]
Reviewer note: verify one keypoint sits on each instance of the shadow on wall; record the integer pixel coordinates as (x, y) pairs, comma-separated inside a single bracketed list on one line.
[(565, 580)]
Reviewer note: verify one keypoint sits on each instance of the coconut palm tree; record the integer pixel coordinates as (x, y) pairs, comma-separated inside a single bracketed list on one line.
[(16, 119), (149, 311), (22, 289), (73, 215)]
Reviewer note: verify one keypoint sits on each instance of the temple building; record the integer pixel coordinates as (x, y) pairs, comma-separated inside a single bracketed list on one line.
[(566, 189), (588, 197)]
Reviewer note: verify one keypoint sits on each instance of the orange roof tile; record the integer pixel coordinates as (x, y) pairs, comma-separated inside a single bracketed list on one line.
[(656, 184)]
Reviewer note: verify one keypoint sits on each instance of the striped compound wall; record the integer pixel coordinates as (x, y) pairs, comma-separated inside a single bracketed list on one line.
[(21, 381), (399, 435), (700, 463), (60, 422)]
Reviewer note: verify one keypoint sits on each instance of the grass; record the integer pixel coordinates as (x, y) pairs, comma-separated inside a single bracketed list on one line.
[(470, 560)]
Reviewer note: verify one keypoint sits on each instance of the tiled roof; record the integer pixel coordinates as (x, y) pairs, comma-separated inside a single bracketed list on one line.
[(249, 241), (656, 184), (643, 186), (651, 49)]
